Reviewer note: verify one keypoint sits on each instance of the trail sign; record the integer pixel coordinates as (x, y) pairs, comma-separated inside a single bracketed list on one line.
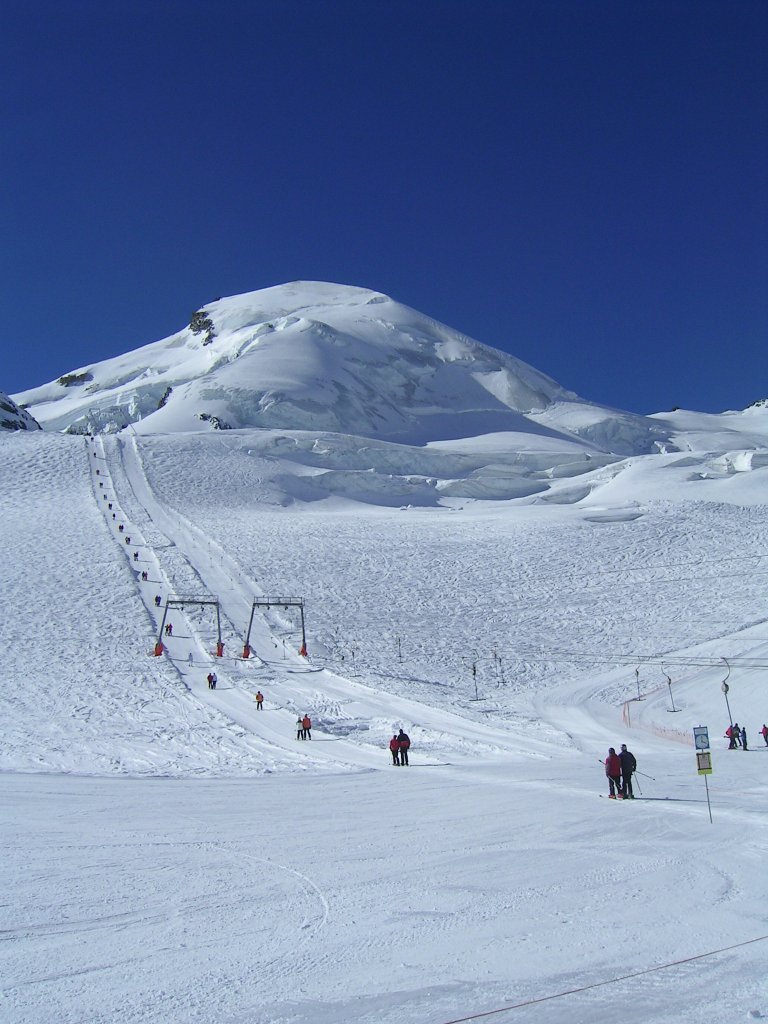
[(703, 755), (704, 762)]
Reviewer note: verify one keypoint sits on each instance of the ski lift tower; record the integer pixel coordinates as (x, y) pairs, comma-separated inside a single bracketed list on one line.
[(181, 602), (277, 602)]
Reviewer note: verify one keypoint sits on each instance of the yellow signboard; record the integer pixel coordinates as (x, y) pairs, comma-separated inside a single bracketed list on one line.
[(704, 762)]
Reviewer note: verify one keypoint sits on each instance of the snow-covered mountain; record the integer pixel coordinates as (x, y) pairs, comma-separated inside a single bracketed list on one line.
[(14, 418), (317, 356), (563, 578)]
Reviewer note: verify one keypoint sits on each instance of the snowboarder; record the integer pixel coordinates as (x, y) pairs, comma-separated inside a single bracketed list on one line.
[(628, 766), (743, 738), (394, 746), (300, 728), (307, 726), (764, 733), (613, 773), (403, 744), (259, 700)]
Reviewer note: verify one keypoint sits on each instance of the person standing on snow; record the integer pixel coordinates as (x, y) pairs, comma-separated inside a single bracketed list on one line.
[(613, 773), (743, 738), (300, 728), (737, 734), (764, 733), (394, 747), (307, 724), (403, 745), (259, 700), (628, 766)]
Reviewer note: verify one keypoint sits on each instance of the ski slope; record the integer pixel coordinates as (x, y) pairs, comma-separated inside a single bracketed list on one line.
[(174, 854)]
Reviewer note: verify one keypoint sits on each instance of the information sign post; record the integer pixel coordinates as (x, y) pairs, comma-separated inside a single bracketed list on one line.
[(703, 758)]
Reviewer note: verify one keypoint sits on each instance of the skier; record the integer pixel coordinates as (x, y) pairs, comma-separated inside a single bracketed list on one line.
[(628, 766), (210, 680), (613, 773), (214, 680), (764, 733), (169, 629), (394, 746), (731, 737), (158, 600), (259, 700), (135, 556), (737, 734), (743, 738), (403, 743), (306, 723), (300, 728)]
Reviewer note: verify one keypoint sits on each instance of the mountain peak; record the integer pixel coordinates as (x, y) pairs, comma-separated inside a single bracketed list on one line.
[(307, 355)]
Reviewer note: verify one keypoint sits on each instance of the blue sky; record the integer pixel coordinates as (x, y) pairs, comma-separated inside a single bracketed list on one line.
[(582, 184)]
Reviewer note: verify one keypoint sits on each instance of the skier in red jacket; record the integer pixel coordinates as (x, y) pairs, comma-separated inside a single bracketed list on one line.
[(613, 772), (394, 746)]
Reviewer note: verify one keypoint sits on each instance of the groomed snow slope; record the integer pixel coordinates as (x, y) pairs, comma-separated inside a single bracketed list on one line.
[(174, 854)]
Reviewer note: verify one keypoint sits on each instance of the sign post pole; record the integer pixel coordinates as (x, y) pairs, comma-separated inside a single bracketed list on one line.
[(703, 758)]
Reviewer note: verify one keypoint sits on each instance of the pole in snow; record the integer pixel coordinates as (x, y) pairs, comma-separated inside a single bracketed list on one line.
[(724, 687), (669, 684)]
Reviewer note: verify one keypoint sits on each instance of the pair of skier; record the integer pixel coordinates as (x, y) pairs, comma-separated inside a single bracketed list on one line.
[(304, 728), (619, 769), (736, 737), (399, 746)]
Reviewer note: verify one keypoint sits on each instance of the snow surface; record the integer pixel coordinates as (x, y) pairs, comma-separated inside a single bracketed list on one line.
[(172, 854)]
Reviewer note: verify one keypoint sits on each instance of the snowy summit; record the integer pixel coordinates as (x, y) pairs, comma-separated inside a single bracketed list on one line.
[(318, 356)]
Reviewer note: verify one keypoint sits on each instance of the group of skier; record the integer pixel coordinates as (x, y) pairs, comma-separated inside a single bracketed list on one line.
[(619, 769), (737, 737), (398, 747)]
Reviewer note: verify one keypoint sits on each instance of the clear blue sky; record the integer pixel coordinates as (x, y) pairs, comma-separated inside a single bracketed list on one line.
[(583, 184)]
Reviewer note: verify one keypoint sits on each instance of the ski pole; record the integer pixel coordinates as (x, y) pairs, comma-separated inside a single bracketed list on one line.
[(639, 790), (645, 776)]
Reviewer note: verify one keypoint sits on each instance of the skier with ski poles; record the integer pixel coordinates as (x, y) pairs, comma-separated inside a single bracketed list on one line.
[(628, 766), (613, 774)]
